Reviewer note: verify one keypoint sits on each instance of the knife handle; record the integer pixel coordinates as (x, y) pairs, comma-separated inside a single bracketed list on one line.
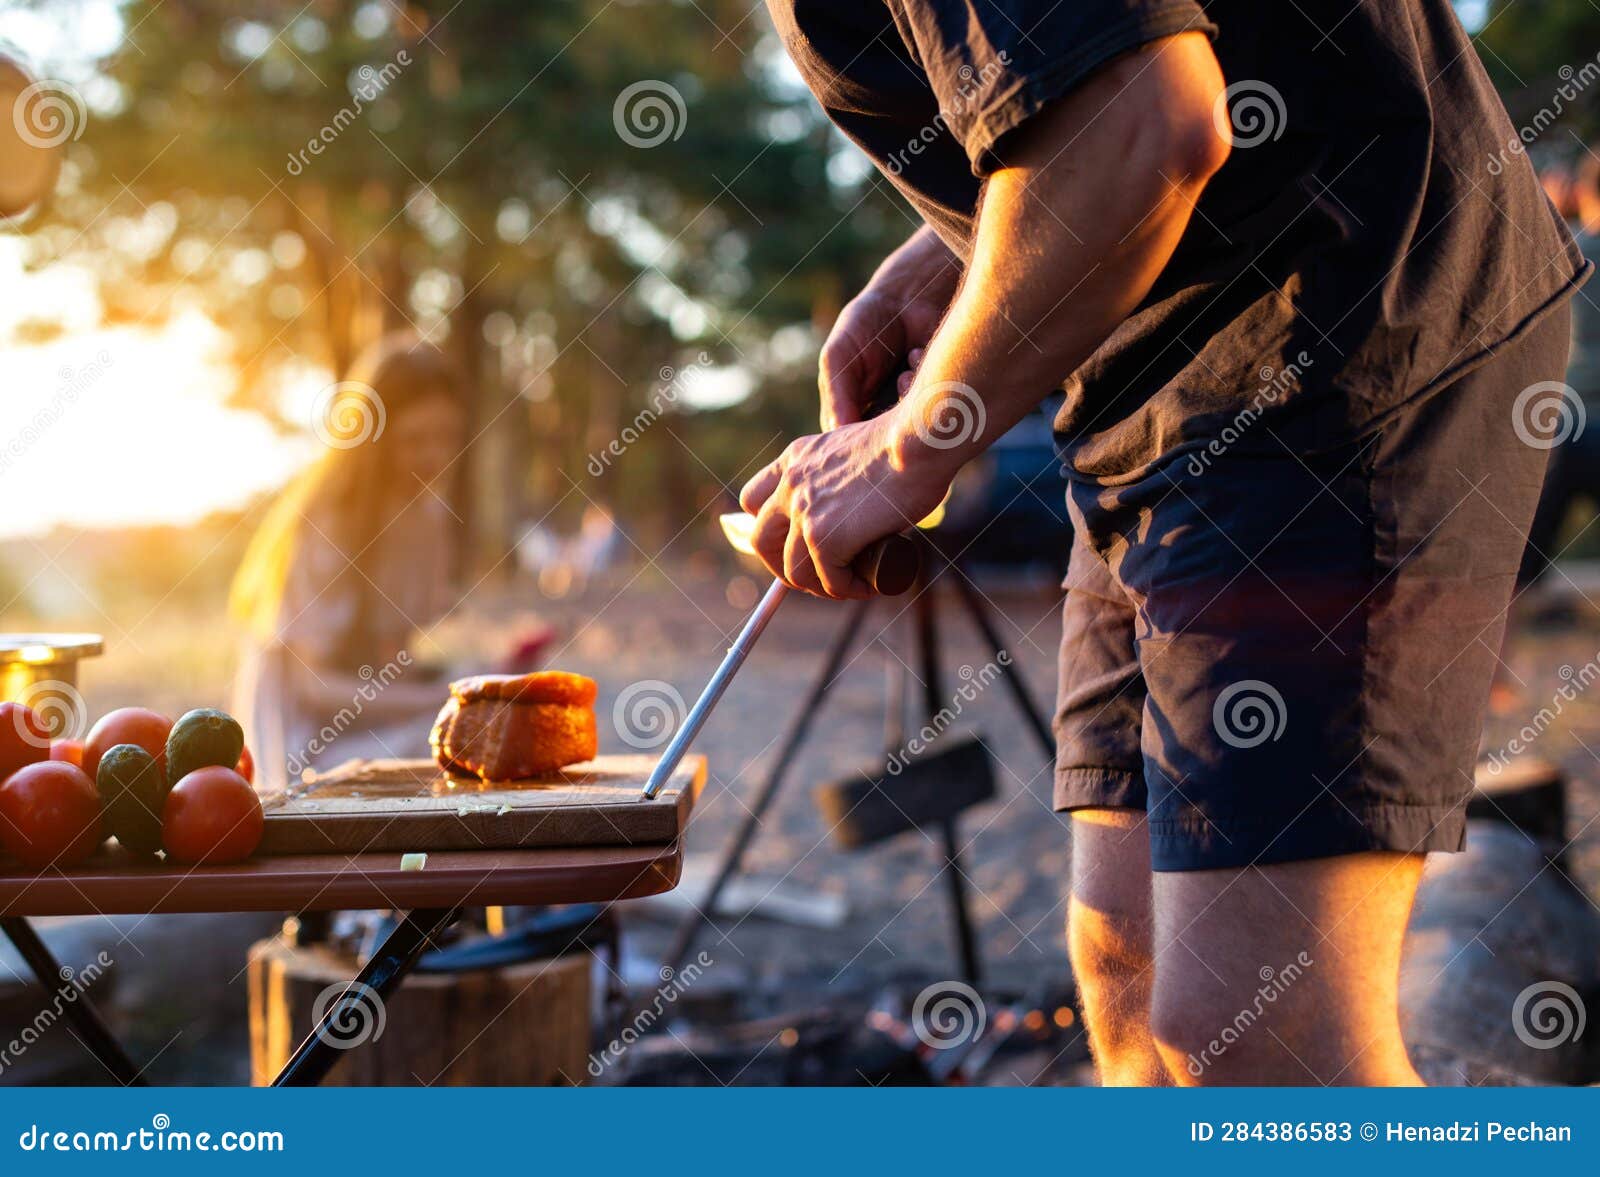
[(890, 565)]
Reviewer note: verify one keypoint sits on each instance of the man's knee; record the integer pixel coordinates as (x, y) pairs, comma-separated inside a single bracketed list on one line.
[(1107, 949), (1109, 921), (1109, 926), (1210, 1034)]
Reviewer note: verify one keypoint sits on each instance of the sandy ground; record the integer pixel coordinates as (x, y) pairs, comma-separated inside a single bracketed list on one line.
[(660, 635), (1014, 849)]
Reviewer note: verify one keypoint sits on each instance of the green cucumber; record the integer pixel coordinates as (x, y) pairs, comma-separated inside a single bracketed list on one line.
[(201, 739), (132, 794)]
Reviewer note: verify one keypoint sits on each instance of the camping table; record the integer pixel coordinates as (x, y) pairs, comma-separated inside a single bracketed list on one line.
[(116, 883)]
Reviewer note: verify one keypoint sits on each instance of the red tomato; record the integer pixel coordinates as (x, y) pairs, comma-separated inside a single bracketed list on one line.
[(70, 751), (23, 738), (49, 813), (247, 765), (212, 815), (130, 725)]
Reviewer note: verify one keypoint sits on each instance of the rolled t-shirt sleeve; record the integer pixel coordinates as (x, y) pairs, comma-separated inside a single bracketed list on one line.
[(992, 64)]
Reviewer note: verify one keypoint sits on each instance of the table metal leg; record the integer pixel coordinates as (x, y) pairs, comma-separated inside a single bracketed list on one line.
[(80, 1012), (383, 973)]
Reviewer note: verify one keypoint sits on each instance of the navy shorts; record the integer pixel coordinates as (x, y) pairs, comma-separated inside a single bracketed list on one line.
[(1282, 656)]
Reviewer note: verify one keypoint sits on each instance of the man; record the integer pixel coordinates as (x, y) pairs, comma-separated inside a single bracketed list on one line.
[(1295, 274), (1575, 462)]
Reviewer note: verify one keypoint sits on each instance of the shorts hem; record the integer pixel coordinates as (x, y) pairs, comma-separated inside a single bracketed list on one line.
[(1099, 788), (1193, 843)]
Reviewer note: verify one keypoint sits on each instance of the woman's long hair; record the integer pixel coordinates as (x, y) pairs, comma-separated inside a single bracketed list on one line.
[(342, 494)]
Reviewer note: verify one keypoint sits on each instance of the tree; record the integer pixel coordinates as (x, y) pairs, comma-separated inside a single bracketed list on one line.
[(577, 195)]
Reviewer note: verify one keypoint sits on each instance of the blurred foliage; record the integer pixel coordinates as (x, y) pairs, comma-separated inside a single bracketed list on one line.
[(1526, 45), (467, 179)]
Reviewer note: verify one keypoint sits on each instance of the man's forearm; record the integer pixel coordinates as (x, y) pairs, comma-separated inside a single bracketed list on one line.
[(1069, 240)]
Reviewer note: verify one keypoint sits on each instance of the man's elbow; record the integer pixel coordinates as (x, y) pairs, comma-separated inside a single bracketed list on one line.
[(1186, 128), (1193, 143)]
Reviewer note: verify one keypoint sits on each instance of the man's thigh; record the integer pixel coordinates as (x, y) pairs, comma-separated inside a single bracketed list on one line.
[(1298, 959)]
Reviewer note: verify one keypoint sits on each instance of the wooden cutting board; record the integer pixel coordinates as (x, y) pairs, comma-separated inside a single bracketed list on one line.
[(410, 805)]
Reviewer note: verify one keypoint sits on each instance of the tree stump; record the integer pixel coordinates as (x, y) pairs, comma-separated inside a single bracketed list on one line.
[(1528, 793), (522, 1025), (1501, 965)]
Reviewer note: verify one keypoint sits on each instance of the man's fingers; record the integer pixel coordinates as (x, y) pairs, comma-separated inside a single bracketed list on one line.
[(857, 354), (840, 381), (770, 538), (759, 489), (838, 580), (798, 568)]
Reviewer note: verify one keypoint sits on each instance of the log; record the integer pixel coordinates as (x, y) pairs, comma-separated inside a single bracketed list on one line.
[(522, 1025), (1501, 965), (1528, 793), (871, 807)]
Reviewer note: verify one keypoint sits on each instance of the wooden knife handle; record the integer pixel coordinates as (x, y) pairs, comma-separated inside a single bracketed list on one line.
[(890, 565)]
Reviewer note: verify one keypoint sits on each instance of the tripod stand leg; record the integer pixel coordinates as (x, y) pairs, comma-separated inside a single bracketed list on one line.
[(799, 725), (966, 938), (1008, 670), (933, 700)]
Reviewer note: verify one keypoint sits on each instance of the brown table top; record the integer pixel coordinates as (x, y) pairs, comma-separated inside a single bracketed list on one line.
[(114, 882)]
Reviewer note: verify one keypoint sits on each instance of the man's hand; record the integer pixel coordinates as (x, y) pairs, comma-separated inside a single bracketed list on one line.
[(895, 314), (829, 496), (1096, 192)]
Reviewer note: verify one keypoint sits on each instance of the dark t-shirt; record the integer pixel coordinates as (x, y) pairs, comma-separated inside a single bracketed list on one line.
[(1371, 236)]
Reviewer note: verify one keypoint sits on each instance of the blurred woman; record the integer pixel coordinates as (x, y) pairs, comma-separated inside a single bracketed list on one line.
[(352, 560)]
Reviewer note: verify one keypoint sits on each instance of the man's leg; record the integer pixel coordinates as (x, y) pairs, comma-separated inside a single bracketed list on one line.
[(1285, 974), (1109, 934)]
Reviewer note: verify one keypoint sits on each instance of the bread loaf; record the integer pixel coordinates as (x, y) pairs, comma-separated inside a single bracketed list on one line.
[(500, 727)]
